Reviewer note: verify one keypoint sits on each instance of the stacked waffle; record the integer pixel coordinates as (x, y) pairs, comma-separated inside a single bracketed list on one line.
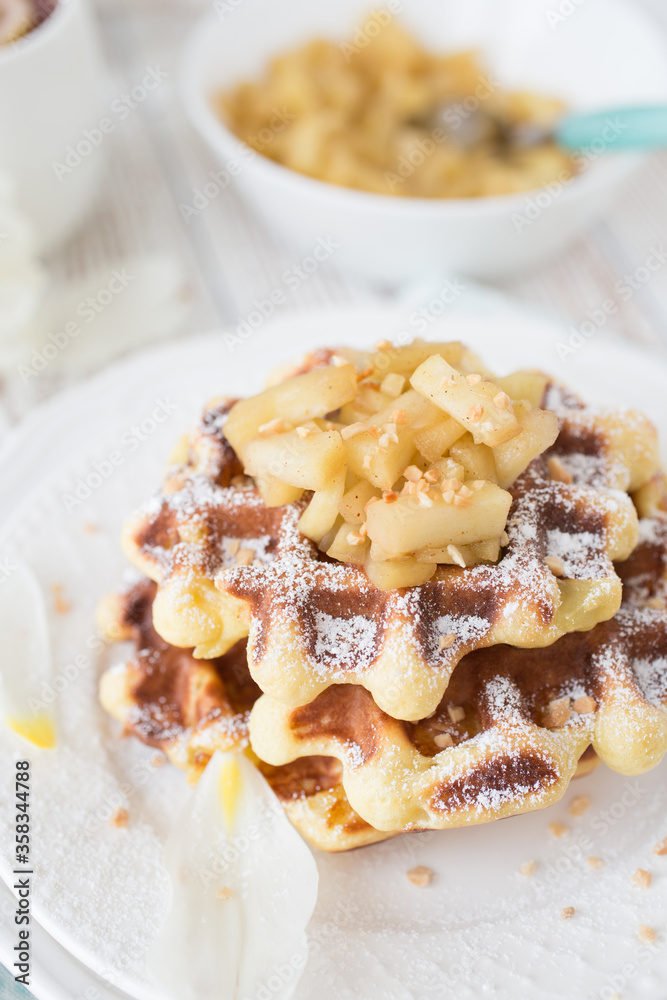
[(426, 596)]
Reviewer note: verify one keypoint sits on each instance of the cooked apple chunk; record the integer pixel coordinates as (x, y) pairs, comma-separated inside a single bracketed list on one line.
[(434, 441), (380, 448), (476, 459), (349, 546), (388, 359), (352, 506), (529, 385), (482, 408), (463, 555), (274, 493), (295, 402), (408, 524), (308, 462), (539, 430), (320, 515), (392, 574)]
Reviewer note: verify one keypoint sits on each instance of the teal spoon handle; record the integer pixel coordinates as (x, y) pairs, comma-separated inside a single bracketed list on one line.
[(622, 129)]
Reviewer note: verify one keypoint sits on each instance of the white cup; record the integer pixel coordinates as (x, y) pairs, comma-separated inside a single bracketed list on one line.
[(50, 97)]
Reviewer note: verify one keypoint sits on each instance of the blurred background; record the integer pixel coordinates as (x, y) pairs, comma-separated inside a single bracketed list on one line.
[(183, 276)]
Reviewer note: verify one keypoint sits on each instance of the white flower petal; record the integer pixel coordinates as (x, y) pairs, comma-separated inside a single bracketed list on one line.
[(244, 889), (26, 657)]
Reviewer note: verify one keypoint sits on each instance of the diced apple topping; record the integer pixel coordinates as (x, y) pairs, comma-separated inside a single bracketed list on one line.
[(406, 455), (482, 408)]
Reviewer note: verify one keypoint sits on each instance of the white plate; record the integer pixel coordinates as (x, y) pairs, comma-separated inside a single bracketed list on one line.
[(480, 929)]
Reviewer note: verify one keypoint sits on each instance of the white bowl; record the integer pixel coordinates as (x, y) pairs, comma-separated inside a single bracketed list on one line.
[(604, 53), (51, 107)]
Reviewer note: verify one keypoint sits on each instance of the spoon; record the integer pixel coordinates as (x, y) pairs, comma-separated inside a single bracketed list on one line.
[(638, 128)]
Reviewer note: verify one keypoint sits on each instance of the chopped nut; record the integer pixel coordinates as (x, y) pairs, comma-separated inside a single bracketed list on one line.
[(309, 785), (392, 384), (383, 345), (451, 484), (233, 545), (424, 499), (224, 892), (444, 740), (502, 400), (363, 529), (276, 426), (386, 439), (584, 704), (409, 489), (389, 496), (661, 847), (303, 432), (558, 471), (412, 473), (370, 501), (555, 564), (641, 878), (595, 862), (400, 416), (460, 501), (473, 379), (420, 876), (355, 539), (646, 934), (479, 484), (579, 805), (448, 496), (456, 713), (445, 641), (365, 372), (527, 868), (120, 819), (567, 912), (476, 412), (432, 476), (352, 430), (456, 555), (366, 464), (465, 491), (244, 557), (558, 829), (558, 713), (60, 605)]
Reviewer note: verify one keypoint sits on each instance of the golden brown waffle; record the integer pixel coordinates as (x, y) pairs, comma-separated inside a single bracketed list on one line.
[(190, 708), (513, 724), (313, 622)]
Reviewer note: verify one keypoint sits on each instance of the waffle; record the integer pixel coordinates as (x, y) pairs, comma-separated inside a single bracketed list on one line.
[(510, 731), (314, 622), (190, 708)]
